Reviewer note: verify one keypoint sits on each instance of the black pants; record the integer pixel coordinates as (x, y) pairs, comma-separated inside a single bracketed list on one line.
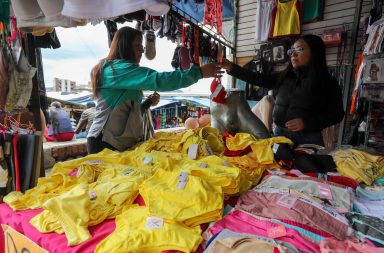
[(95, 144)]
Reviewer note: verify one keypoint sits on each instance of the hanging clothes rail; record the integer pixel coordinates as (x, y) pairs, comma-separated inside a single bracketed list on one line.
[(194, 22)]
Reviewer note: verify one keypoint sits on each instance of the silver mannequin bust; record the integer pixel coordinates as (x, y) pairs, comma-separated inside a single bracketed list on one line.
[(236, 116)]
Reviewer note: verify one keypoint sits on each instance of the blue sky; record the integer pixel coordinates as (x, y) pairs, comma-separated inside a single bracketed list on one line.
[(82, 47)]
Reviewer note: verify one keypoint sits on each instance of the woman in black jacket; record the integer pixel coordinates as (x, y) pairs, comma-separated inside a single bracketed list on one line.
[(308, 98)]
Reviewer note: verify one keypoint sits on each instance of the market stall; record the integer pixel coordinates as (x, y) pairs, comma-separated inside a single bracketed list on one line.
[(205, 189)]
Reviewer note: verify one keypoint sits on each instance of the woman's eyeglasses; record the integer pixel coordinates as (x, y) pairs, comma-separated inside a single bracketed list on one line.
[(297, 50)]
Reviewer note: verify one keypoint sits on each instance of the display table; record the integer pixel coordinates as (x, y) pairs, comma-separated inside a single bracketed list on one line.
[(53, 242)]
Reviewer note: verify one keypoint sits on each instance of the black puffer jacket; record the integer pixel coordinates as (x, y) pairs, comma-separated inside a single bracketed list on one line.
[(319, 104)]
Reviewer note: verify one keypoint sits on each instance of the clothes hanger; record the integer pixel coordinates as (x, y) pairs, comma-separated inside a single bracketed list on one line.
[(31, 128), (4, 127)]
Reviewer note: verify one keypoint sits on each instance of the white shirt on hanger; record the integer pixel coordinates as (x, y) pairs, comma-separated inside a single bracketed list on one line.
[(263, 19), (95, 9)]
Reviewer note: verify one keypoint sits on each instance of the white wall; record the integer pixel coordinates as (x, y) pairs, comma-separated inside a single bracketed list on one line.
[(337, 13)]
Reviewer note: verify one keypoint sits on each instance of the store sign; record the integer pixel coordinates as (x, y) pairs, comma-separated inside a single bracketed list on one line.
[(16, 242)]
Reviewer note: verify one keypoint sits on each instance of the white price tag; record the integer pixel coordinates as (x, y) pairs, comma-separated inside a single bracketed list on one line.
[(275, 147), (192, 151), (182, 181), (147, 159), (154, 223), (92, 195), (95, 162)]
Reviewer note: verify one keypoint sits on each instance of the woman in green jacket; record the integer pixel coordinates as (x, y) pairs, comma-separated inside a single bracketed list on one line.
[(118, 82)]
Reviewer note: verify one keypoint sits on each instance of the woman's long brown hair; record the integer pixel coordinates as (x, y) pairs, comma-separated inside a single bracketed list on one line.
[(121, 48)]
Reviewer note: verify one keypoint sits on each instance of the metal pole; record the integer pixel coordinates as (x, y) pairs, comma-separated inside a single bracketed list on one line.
[(235, 38), (30, 49), (350, 67)]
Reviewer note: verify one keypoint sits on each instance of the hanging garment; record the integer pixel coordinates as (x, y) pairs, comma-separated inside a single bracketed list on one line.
[(209, 12), (376, 11), (111, 30), (196, 45), (3, 179), (4, 76), (287, 21), (97, 9), (42, 13), (49, 40), (20, 83), (150, 44), (175, 59), (41, 30), (375, 36), (5, 11), (185, 62), (219, 16), (312, 10), (213, 14), (263, 19), (25, 86), (38, 167), (138, 231), (26, 9), (26, 153), (6, 138)]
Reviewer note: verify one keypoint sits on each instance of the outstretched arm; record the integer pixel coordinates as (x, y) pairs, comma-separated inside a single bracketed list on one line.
[(262, 80)]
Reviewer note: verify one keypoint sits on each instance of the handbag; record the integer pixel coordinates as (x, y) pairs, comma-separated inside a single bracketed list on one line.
[(148, 125), (20, 83)]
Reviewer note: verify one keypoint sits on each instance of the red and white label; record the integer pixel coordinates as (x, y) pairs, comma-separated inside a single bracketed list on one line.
[(276, 232), (325, 191)]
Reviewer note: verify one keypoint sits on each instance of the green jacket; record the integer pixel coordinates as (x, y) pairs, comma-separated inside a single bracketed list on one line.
[(118, 112)]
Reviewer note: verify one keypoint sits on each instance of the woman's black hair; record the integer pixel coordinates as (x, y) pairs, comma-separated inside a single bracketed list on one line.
[(317, 68)]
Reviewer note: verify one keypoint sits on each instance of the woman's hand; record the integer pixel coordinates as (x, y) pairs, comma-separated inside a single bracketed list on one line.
[(210, 70), (295, 125), (226, 64)]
